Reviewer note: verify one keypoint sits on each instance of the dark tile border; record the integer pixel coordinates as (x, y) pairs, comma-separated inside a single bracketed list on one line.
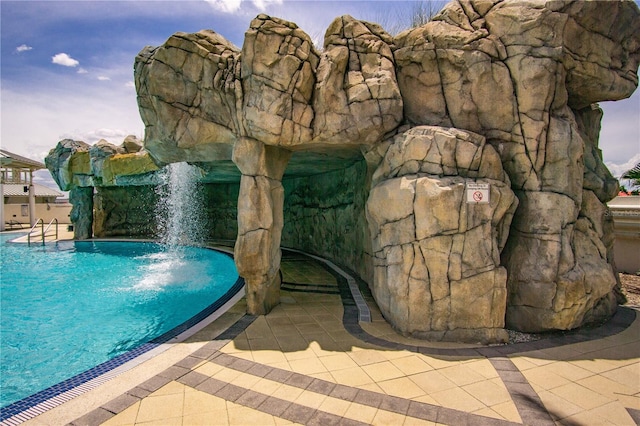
[(527, 402), (20, 408), (368, 398), (620, 321)]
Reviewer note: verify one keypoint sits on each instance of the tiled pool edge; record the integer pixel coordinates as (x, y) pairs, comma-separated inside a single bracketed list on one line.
[(519, 389), (53, 396)]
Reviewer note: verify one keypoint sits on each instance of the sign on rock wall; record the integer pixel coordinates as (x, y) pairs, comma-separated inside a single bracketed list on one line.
[(477, 193)]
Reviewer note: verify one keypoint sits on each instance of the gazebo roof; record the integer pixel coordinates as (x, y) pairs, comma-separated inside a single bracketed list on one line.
[(15, 161), (17, 190)]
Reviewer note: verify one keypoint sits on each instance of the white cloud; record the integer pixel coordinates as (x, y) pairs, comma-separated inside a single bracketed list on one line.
[(130, 84), (82, 71), (64, 60), (262, 4), (23, 48), (103, 78), (227, 6), (231, 6), (618, 169)]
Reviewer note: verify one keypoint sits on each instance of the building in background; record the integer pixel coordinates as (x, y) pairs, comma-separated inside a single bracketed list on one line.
[(23, 201)]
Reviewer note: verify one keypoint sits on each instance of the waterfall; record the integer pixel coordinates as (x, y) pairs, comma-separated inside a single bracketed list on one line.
[(179, 208)]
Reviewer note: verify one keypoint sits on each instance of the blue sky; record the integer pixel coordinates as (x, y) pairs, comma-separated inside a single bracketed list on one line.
[(67, 66)]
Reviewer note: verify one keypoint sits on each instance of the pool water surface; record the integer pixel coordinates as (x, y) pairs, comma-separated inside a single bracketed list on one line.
[(70, 306)]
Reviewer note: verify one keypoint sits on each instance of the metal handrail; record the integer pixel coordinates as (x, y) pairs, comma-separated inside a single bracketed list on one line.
[(40, 220), (43, 231)]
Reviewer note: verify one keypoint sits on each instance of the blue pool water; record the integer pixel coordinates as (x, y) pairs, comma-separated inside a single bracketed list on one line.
[(68, 307)]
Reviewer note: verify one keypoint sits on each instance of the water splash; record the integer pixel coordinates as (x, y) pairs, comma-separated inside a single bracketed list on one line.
[(180, 206)]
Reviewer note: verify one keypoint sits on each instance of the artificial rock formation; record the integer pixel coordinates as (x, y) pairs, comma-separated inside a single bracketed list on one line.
[(490, 79), (524, 75), (204, 100), (437, 256), (78, 167)]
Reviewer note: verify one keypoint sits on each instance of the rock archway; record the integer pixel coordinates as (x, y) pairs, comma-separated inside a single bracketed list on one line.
[(490, 80)]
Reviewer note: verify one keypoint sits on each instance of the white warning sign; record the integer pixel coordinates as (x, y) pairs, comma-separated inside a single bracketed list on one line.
[(477, 193)]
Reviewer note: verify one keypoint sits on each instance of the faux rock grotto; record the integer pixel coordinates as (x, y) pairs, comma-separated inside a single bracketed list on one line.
[(365, 151)]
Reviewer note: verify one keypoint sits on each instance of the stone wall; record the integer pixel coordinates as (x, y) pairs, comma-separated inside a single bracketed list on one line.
[(125, 211), (221, 209), (324, 214)]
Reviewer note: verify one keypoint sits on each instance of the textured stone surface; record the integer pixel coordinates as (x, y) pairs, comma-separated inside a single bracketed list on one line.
[(437, 257), (125, 211), (524, 75), (81, 199)]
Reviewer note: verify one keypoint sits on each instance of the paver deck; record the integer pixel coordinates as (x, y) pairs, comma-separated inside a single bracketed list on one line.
[(310, 361)]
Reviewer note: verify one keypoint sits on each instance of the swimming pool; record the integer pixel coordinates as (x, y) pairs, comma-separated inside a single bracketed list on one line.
[(71, 306)]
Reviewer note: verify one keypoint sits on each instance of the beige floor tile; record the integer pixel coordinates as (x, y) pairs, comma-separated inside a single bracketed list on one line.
[(286, 392), (461, 374), (351, 377), (310, 399), (382, 371), (301, 354), (594, 365), (482, 367), (213, 418), (386, 418), (432, 382), (489, 392), (402, 387), (334, 406), (629, 401), (227, 375), (339, 361), (392, 355), (156, 408), (410, 421), (559, 408), (614, 413), (427, 399), (457, 399), (265, 386), (508, 411), (268, 357), (373, 387), (568, 370), (523, 363), (488, 412), (581, 396), (247, 416), (125, 417), (209, 369), (308, 366), (174, 421), (171, 388), (444, 362), (361, 413), (607, 387), (628, 375), (323, 376), (544, 377), (535, 357), (201, 402), (411, 365), (245, 380), (282, 365)]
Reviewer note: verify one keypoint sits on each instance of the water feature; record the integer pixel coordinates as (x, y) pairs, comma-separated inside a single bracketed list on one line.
[(179, 210), (69, 306)]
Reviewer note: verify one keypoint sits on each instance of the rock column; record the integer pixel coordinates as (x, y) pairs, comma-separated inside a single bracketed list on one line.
[(260, 221), (81, 216)]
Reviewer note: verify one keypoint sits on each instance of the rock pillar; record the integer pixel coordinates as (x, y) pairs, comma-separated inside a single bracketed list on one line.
[(436, 254), (260, 221), (82, 212)]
